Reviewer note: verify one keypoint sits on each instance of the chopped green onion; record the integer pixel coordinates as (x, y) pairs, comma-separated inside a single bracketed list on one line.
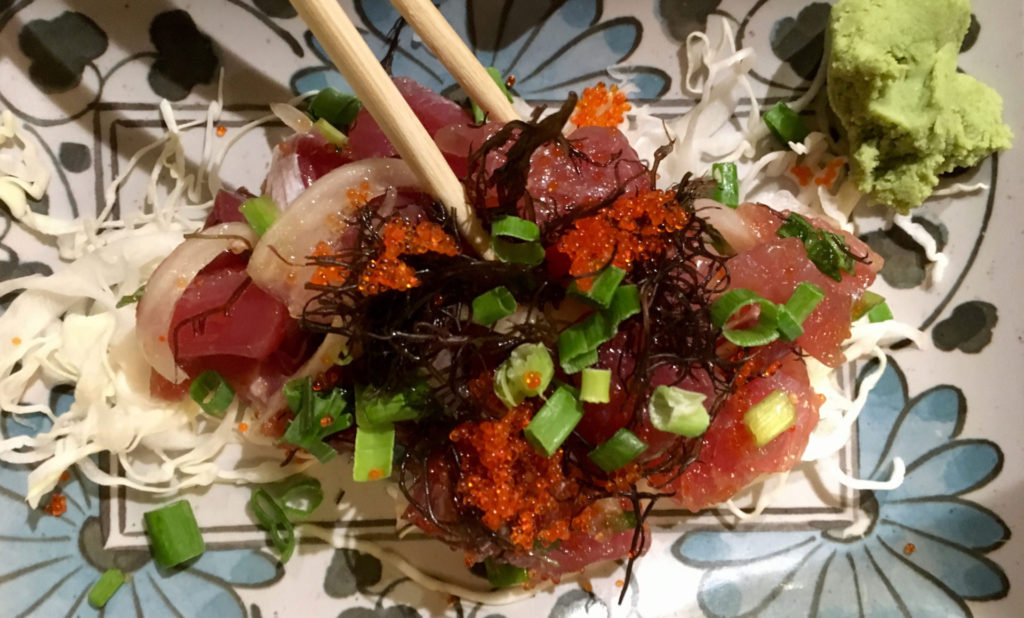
[(478, 114), (827, 250), (272, 518), (625, 304), (301, 497), (602, 288), (553, 423), (679, 411), (335, 107), (174, 534), (504, 575), (868, 301), (212, 393), (105, 587), (801, 303), (526, 251), (595, 385), (785, 124), (493, 305), (514, 227), (769, 417), (374, 453), (317, 416), (377, 409), (333, 136), (132, 298), (529, 253), (805, 298), (525, 373), (617, 451), (880, 313), (579, 362), (578, 344), (727, 190), (260, 212), (728, 304)]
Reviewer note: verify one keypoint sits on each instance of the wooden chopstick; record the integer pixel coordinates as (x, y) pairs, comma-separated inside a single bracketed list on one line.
[(368, 80), (445, 43)]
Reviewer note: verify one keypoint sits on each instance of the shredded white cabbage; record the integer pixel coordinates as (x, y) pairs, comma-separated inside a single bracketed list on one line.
[(52, 330), (920, 235)]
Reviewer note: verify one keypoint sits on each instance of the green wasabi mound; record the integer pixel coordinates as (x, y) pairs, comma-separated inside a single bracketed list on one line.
[(908, 115)]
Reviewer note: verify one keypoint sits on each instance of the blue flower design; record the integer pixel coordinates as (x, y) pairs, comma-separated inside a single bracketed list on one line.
[(552, 47), (923, 553), (50, 563)]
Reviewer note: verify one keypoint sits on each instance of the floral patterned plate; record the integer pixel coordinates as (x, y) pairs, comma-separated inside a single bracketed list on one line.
[(86, 79)]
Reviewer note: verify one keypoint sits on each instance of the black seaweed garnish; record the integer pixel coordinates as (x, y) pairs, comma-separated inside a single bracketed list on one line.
[(425, 334)]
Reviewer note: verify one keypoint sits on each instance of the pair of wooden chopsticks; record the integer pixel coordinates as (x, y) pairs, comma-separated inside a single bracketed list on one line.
[(368, 80)]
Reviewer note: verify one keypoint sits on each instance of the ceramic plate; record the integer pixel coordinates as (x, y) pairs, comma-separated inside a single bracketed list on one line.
[(86, 79)]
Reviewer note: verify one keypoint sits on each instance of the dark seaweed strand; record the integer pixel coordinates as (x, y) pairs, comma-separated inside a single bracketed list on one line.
[(511, 177), (403, 334), (639, 541), (392, 41), (659, 155)]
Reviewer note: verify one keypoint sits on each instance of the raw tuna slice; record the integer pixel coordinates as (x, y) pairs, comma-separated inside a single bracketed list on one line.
[(366, 140), (774, 270), (225, 207), (595, 164), (225, 323), (729, 459), (222, 312), (605, 164)]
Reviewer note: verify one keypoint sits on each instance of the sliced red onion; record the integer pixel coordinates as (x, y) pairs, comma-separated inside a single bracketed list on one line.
[(290, 115), (169, 281), (279, 263), (284, 178), (729, 223)]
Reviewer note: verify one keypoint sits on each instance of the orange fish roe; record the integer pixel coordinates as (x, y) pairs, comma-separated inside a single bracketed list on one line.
[(222, 131), (275, 426), (909, 549), (327, 275), (828, 177), (398, 238), (532, 379), (803, 174), (243, 427), (515, 487), (631, 229), (16, 340), (359, 195), (58, 505), (601, 106)]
